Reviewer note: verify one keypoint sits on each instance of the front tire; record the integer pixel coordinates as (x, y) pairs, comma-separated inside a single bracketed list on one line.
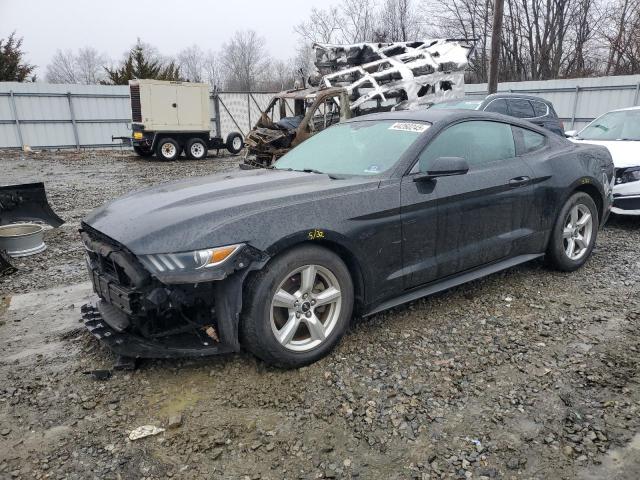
[(168, 149), (298, 307), (574, 233), (196, 149)]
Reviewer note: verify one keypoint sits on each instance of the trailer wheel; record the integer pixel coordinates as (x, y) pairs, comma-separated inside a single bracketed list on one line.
[(196, 149), (168, 149), (143, 151), (235, 143)]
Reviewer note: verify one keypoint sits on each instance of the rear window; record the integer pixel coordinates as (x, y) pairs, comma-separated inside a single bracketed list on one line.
[(539, 108), (531, 141), (498, 106), (521, 108)]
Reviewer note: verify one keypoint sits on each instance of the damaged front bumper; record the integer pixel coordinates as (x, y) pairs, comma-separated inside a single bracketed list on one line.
[(137, 315), (626, 194), (99, 317)]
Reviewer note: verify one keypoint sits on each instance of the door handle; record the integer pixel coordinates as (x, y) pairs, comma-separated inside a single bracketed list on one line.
[(519, 181)]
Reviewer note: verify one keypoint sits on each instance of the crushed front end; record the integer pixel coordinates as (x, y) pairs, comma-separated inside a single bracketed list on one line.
[(626, 192), (138, 315)]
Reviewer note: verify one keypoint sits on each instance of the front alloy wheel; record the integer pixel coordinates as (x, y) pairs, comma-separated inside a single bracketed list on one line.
[(305, 308), (296, 309)]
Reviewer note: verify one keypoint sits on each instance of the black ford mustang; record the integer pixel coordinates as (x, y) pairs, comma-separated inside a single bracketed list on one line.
[(366, 215)]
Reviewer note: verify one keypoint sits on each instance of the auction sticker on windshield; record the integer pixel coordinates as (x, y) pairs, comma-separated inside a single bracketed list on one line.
[(409, 127)]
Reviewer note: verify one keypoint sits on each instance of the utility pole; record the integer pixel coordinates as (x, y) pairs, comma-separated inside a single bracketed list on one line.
[(496, 36)]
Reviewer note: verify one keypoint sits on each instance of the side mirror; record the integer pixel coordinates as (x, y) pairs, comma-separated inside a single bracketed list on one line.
[(444, 167), (570, 133)]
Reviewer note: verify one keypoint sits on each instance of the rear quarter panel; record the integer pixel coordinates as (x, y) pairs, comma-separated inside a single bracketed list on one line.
[(563, 169)]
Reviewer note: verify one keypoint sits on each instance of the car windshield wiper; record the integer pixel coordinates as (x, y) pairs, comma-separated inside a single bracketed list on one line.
[(313, 170)]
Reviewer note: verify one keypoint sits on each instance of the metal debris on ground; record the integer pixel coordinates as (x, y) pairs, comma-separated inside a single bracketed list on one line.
[(145, 431)]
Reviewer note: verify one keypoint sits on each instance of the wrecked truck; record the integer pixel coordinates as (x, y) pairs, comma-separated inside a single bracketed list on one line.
[(354, 80)]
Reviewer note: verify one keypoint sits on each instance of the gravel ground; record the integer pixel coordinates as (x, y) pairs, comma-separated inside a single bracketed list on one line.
[(529, 373)]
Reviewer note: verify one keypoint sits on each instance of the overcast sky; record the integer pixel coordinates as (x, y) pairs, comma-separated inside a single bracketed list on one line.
[(111, 26)]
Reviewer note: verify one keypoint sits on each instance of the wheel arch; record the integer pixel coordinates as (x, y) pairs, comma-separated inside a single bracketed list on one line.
[(593, 191), (335, 243), (585, 185)]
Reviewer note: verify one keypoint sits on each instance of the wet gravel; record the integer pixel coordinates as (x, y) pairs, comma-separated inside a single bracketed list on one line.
[(529, 373)]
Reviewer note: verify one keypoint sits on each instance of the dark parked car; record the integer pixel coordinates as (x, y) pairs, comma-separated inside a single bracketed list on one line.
[(534, 109), (368, 214)]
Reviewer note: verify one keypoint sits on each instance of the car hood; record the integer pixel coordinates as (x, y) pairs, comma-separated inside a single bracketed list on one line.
[(215, 210), (624, 153)]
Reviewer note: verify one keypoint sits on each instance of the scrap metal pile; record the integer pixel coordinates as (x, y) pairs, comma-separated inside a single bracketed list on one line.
[(400, 74), (352, 80)]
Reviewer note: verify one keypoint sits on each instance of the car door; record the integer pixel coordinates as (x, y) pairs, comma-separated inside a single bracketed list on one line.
[(456, 223)]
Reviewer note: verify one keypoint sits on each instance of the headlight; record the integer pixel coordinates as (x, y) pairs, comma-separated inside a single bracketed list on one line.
[(185, 261), (138, 135), (627, 175)]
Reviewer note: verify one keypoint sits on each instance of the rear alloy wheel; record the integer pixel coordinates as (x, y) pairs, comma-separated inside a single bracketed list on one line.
[(574, 234), (168, 149), (196, 149), (298, 307), (577, 232)]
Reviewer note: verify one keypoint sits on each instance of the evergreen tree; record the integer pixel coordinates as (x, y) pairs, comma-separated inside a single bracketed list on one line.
[(12, 67), (141, 64)]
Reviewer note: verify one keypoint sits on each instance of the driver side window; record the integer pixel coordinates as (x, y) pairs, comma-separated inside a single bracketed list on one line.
[(477, 141)]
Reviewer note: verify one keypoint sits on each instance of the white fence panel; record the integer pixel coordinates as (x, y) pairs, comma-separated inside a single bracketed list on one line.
[(87, 116)]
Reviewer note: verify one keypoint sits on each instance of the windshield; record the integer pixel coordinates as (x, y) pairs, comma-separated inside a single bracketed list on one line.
[(621, 125), (354, 148), (464, 104)]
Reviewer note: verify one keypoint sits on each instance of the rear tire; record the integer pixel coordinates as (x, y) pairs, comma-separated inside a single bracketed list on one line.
[(235, 143), (168, 149), (297, 307), (143, 151), (574, 233), (196, 149)]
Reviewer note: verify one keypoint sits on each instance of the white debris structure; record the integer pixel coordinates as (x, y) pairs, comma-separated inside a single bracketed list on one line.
[(399, 75)]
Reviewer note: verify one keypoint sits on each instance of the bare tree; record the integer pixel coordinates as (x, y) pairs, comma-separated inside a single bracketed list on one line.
[(90, 65), (323, 26), (622, 37), (213, 70), (62, 68), (358, 21), (246, 60), (85, 67), (191, 62), (281, 75), (398, 21)]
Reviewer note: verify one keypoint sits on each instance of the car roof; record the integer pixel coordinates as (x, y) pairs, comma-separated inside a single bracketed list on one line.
[(446, 116), (624, 109), (493, 96)]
